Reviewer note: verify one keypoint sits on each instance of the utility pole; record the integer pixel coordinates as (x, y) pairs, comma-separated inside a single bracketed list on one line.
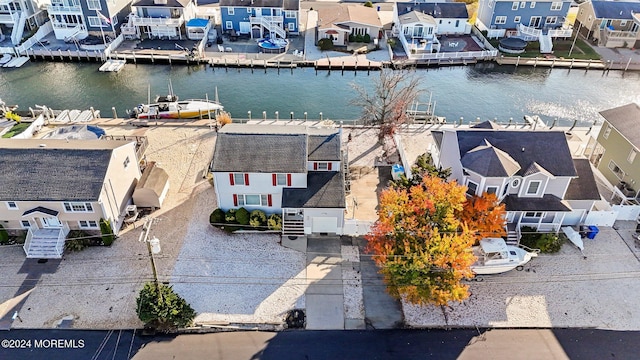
[(153, 246), (575, 38)]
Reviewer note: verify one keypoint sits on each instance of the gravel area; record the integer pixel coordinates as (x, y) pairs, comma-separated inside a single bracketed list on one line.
[(352, 283), (559, 290)]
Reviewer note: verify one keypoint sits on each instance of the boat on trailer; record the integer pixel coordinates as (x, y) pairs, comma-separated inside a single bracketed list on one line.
[(496, 257)]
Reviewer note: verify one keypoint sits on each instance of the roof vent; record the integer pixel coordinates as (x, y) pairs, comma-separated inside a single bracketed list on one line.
[(42, 145), (522, 149)]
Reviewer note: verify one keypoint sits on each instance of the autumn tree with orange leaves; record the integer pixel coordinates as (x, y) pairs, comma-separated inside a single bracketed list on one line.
[(420, 244), (484, 215)]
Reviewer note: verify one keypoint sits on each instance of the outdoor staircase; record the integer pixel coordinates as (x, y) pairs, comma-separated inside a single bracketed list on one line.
[(18, 29), (513, 235), (293, 227), (346, 173), (546, 44), (272, 26), (45, 243)]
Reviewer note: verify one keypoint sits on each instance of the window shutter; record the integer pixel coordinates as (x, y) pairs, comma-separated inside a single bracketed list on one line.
[(329, 166), (246, 179), (269, 200), (235, 200), (288, 179), (315, 166), (231, 179), (274, 179)]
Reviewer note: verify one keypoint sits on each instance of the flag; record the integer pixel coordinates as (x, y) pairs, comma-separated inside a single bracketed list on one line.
[(104, 18)]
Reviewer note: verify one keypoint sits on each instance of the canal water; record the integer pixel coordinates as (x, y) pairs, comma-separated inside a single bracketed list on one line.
[(485, 91)]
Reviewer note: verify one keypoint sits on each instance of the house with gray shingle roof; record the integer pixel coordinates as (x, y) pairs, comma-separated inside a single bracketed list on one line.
[(292, 170), (532, 172), (610, 23), (50, 187)]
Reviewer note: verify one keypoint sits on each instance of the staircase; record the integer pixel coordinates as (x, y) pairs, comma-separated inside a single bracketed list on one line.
[(271, 24), (18, 29), (546, 44), (45, 243), (293, 227), (513, 234), (346, 173)]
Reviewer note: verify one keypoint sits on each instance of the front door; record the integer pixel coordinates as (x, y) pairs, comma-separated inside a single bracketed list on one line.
[(51, 222), (535, 21)]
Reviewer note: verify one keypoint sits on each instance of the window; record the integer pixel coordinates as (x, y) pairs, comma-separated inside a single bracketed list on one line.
[(523, 4), (534, 187), (515, 5), (533, 214), (516, 19), (515, 183), (126, 162), (252, 200), (440, 22), (230, 11), (501, 20), (88, 224), (550, 20), (238, 179), (616, 170), (94, 5), (248, 10), (25, 224), (290, 14), (632, 156), (78, 207), (322, 166), (11, 205), (472, 188), (457, 23), (95, 21), (492, 189), (228, 25), (623, 23), (533, 5), (281, 179), (556, 6), (606, 133), (291, 26)]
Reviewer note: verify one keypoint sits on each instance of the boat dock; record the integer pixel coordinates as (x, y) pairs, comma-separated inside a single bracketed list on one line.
[(112, 65), (16, 62)]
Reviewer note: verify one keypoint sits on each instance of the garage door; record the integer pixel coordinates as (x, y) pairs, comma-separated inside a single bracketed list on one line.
[(324, 225)]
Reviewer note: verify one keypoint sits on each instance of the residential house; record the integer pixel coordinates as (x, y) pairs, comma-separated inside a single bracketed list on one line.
[(49, 187), (609, 23), (163, 19), (615, 149), (341, 21), (261, 18), (295, 171), (531, 172), (18, 17), (531, 20), (418, 25), (74, 20)]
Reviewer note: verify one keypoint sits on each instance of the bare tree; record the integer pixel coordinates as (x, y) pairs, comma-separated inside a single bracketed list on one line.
[(386, 106)]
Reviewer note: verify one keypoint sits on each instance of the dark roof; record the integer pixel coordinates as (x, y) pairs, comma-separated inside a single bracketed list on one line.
[(49, 174), (549, 149), (626, 119), (170, 3), (545, 203), (324, 147), (615, 9), (41, 209), (584, 187), (487, 125), (260, 153), (489, 161), (284, 4), (437, 10), (325, 189)]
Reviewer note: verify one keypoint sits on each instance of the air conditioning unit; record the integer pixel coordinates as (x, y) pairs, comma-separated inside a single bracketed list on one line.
[(132, 210)]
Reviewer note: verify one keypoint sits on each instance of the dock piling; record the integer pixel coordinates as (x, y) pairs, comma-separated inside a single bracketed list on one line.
[(627, 66), (115, 114)]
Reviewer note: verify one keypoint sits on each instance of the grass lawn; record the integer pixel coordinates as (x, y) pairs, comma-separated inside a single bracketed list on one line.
[(561, 48), (15, 130)]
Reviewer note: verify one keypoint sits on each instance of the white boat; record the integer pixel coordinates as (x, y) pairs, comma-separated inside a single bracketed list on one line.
[(495, 257), (169, 107)]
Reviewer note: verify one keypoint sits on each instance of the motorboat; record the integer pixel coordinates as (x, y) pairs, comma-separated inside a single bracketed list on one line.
[(169, 107), (495, 256)]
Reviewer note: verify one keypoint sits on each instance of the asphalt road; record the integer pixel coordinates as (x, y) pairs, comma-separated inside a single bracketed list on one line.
[(383, 344)]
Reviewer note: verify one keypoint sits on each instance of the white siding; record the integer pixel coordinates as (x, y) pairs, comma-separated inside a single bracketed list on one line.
[(448, 26), (259, 183)]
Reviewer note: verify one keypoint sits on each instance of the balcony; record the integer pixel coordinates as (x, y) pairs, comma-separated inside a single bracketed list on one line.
[(617, 38), (9, 18), (151, 21), (53, 10)]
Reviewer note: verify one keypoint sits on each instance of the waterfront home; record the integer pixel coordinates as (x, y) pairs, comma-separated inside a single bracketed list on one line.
[(74, 20), (17, 18), (163, 19), (49, 187), (292, 170), (614, 152), (531, 172), (260, 18), (343, 23), (609, 23), (531, 20)]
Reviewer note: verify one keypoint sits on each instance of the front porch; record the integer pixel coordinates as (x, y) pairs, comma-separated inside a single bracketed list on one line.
[(46, 243)]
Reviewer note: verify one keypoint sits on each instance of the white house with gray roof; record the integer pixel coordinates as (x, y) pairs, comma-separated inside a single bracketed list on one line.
[(292, 170), (49, 187), (531, 172)]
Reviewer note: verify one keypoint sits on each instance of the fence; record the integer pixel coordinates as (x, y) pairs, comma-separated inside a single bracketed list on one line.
[(43, 31), (113, 45)]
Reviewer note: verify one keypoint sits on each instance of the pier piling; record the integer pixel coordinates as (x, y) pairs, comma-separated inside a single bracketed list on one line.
[(115, 114)]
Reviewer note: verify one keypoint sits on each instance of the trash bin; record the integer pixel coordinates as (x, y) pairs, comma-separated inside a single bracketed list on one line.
[(593, 231), (396, 171)]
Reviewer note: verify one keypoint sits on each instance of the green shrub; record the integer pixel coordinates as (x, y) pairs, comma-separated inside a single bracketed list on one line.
[(549, 243), (359, 38), (275, 222), (258, 218), (529, 237), (368, 4), (107, 232), (352, 38), (217, 217), (325, 44), (366, 38), (230, 216), (165, 312), (77, 244), (243, 216), (4, 235)]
